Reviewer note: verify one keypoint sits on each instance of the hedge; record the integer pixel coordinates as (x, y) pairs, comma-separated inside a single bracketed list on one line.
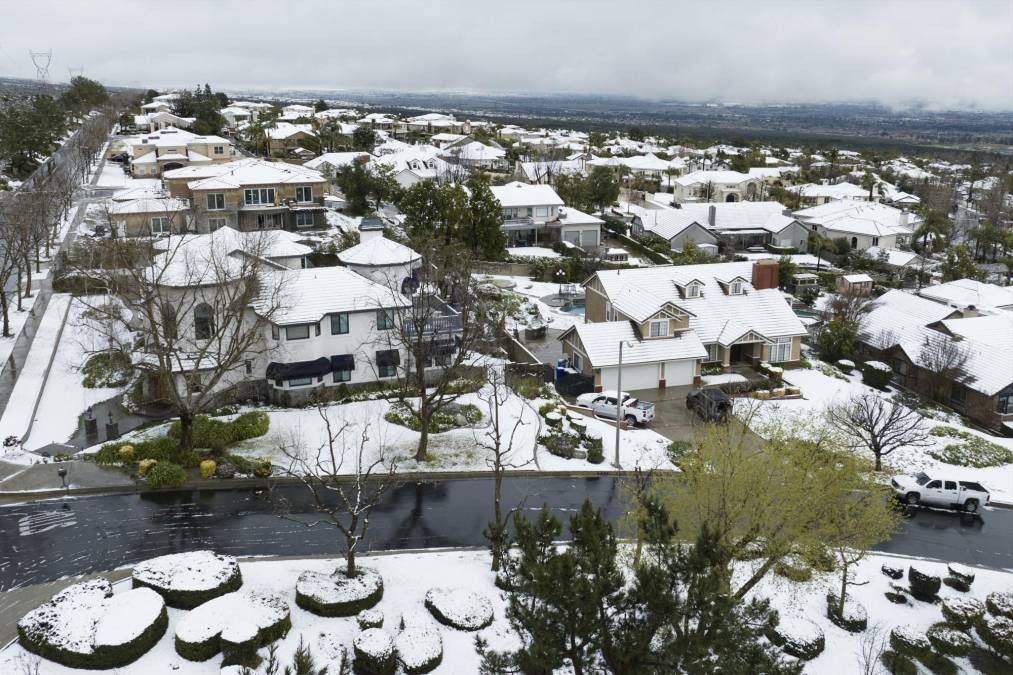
[(1000, 603), (166, 474), (190, 598), (997, 633), (876, 377), (216, 434), (205, 649), (909, 643), (962, 612), (923, 586), (948, 640), (161, 449), (459, 608), (374, 653), (335, 595)]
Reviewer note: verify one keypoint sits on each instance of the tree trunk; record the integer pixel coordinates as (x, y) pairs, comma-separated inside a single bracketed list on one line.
[(423, 447), (350, 548), (4, 306), (17, 291), (497, 509), (186, 431), (879, 461), (844, 588), (28, 276), (755, 579)]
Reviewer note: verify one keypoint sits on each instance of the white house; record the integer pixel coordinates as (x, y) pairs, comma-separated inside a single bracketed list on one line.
[(716, 186), (535, 214), (862, 224)]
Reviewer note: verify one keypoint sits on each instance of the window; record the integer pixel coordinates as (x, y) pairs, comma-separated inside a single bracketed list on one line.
[(736, 288), (342, 376), (300, 332), (169, 325), (958, 393), (203, 322), (385, 319), (950, 485), (712, 352), (578, 362), (303, 193), (267, 220), (608, 311), (249, 367), (387, 362), (780, 350), (339, 324), (303, 219), (259, 196), (216, 201), (934, 485), (693, 291), (659, 328), (541, 211), (275, 333), (160, 225), (217, 223), (1004, 406), (219, 150), (875, 241), (300, 381)]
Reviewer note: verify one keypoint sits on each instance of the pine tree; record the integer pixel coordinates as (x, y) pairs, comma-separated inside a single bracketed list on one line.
[(482, 229)]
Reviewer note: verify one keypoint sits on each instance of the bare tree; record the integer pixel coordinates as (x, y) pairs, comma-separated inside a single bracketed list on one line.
[(201, 310), (943, 360), (874, 422), (343, 477), (873, 641), (499, 439)]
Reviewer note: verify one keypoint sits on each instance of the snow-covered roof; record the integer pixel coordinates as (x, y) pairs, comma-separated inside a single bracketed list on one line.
[(728, 216), (601, 344), (378, 251), (172, 137), (719, 177), (245, 172), (311, 294), (857, 278), (269, 244), (475, 151), (535, 171), (522, 194), (968, 292), (163, 205), (284, 130), (892, 256), (835, 191), (571, 216), (860, 217), (335, 159)]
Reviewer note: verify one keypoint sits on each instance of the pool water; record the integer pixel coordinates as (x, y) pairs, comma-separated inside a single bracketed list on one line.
[(573, 307)]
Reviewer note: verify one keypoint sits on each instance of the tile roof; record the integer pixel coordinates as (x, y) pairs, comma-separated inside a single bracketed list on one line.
[(601, 344)]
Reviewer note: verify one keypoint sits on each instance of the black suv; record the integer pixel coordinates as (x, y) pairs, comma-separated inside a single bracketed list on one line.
[(711, 405)]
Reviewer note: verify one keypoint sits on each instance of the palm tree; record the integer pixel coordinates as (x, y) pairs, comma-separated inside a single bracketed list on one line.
[(935, 225)]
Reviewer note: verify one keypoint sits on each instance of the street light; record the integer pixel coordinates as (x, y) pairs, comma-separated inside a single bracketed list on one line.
[(559, 280), (619, 397), (62, 473)]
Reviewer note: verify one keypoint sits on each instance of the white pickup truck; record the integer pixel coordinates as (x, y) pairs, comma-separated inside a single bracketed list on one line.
[(603, 403), (922, 489)]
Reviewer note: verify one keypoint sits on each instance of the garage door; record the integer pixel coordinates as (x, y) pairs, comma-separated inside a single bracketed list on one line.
[(679, 372), (639, 376)]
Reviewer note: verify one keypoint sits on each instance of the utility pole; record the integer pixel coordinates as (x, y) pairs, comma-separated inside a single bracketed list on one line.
[(75, 72), (619, 400), (41, 60)]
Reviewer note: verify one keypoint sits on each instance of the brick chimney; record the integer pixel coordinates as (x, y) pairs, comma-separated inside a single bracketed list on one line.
[(712, 212), (764, 274)]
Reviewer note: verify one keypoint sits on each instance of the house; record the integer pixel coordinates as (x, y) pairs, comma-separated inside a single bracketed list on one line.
[(547, 171), (969, 293), (854, 284), (171, 148), (897, 262), (150, 216), (282, 249), (296, 111), (814, 194), (774, 176), (432, 123), (953, 355), (474, 155), (334, 162), (162, 119), (534, 215), (739, 225), (284, 137), (236, 116), (723, 314), (251, 194), (415, 163), (675, 226), (382, 260), (862, 224), (716, 186)]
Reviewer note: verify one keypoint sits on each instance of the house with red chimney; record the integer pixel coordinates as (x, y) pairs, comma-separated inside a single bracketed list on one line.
[(675, 320)]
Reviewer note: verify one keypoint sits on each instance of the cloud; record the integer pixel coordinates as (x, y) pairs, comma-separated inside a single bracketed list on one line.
[(940, 53)]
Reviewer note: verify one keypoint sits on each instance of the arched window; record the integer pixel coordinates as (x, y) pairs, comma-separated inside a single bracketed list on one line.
[(203, 321), (169, 329), (854, 242), (732, 198)]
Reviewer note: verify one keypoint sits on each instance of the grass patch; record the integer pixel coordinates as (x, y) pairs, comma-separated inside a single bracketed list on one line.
[(970, 450), (107, 369)]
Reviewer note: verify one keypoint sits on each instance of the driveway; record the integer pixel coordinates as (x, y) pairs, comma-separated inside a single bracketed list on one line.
[(671, 418)]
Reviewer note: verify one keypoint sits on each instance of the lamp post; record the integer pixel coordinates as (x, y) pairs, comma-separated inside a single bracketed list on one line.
[(619, 398), (62, 473), (559, 280)]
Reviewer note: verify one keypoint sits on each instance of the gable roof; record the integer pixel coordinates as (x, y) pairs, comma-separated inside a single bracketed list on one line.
[(601, 344), (522, 194), (378, 251), (311, 294)]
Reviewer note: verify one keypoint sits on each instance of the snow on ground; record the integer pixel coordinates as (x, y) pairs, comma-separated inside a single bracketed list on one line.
[(113, 176), (408, 576), (17, 321), (534, 291), (65, 397), (532, 252), (823, 386), (454, 450), (723, 378)]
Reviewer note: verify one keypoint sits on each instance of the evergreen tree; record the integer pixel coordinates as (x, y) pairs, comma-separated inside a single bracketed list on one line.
[(355, 182), (959, 264), (363, 138), (482, 229), (320, 105)]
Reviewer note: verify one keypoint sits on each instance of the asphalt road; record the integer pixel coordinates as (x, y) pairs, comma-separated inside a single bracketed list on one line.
[(43, 541)]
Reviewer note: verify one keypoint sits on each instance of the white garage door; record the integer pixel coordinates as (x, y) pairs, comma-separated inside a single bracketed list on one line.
[(679, 372), (639, 376)]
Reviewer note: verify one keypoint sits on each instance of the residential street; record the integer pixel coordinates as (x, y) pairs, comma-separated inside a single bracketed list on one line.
[(43, 541)]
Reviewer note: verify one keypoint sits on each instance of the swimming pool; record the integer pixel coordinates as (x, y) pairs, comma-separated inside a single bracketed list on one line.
[(575, 306)]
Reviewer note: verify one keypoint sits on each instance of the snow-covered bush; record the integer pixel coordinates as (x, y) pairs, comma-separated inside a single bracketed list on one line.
[(369, 618), (1000, 603), (86, 626), (166, 474), (948, 640), (997, 633), (792, 567), (962, 612), (876, 374), (907, 641), (853, 619), (554, 419), (959, 572), (560, 443), (892, 572), (419, 644), (186, 580), (923, 586), (459, 608), (374, 653), (337, 595), (846, 365), (798, 636), (224, 624)]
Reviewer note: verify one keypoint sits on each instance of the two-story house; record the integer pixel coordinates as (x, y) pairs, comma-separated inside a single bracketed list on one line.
[(251, 194), (534, 215), (150, 217), (862, 224), (675, 320), (716, 186), (171, 148)]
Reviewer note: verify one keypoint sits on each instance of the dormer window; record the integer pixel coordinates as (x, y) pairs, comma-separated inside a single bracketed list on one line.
[(693, 291), (659, 328), (736, 288)]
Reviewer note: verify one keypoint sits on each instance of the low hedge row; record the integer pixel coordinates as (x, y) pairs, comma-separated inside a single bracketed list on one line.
[(202, 651), (183, 599), (370, 592), (162, 449), (216, 434)]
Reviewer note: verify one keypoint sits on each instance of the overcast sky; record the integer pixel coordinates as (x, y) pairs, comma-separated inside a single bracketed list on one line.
[(945, 53)]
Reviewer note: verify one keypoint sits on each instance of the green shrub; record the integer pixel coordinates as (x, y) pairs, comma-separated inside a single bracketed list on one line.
[(1000, 603), (531, 387), (107, 369), (796, 646), (161, 449), (923, 586), (948, 640), (877, 378), (898, 664), (595, 450), (906, 641), (166, 474), (677, 451), (216, 434), (962, 612), (560, 443), (471, 413), (976, 452), (855, 619), (793, 569), (997, 633), (546, 408), (957, 584), (938, 664)]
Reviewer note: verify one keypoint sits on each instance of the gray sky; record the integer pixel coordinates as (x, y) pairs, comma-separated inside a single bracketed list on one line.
[(945, 53)]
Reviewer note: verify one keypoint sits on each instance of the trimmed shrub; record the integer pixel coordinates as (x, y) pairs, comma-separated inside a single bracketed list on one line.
[(374, 653), (1000, 603), (560, 443), (207, 468), (187, 580), (972, 450), (216, 434), (419, 645), (938, 664), (898, 664), (896, 598), (554, 419), (459, 608), (126, 454), (962, 612), (546, 408), (794, 568), (924, 587), (997, 633), (337, 595), (876, 374), (853, 619), (948, 640), (262, 468), (957, 584), (249, 425), (904, 640), (199, 632), (892, 572), (800, 638), (595, 451), (166, 475), (961, 573), (163, 449), (369, 618)]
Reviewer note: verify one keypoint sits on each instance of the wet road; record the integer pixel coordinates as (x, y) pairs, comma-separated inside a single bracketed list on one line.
[(43, 541)]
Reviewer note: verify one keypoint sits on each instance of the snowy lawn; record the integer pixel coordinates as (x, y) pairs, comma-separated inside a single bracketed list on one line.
[(408, 577), (532, 252), (823, 386), (534, 291), (455, 450), (112, 176)]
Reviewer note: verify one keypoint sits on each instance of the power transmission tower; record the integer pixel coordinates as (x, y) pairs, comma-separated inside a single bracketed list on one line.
[(41, 61), (75, 72)]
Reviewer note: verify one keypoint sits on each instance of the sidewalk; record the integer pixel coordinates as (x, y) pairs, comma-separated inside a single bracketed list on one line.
[(22, 481)]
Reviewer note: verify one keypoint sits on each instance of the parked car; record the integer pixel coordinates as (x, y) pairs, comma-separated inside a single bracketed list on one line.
[(924, 490), (603, 403), (710, 405)]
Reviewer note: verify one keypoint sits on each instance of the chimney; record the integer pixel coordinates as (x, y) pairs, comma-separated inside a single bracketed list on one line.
[(712, 213), (764, 274), (370, 228), (902, 218), (969, 312)]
